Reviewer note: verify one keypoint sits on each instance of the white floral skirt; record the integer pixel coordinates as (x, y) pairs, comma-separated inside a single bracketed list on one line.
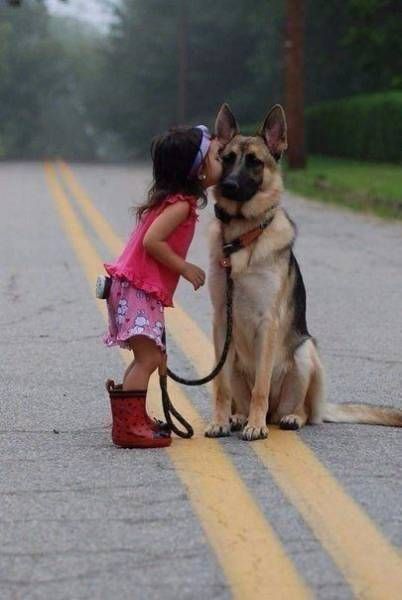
[(133, 312)]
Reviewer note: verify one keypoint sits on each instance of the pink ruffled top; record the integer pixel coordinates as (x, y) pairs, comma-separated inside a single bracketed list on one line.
[(143, 271)]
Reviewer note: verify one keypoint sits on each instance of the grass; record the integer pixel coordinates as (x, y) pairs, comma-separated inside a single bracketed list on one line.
[(362, 186)]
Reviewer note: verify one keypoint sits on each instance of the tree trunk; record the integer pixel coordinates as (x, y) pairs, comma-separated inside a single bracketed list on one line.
[(182, 75), (294, 82)]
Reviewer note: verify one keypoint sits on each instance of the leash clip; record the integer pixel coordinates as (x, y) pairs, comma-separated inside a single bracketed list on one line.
[(225, 262)]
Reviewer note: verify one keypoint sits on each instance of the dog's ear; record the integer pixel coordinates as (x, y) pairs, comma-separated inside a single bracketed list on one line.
[(274, 131), (225, 125)]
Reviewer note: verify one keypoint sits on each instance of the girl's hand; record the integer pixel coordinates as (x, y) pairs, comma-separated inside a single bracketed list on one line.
[(194, 275)]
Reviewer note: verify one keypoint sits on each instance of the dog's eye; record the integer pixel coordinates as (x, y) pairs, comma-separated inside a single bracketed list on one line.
[(228, 158), (253, 161)]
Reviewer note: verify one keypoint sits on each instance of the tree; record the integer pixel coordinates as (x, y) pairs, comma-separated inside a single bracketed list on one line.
[(65, 90), (43, 107), (19, 2), (351, 47), (148, 67), (182, 71), (373, 37), (294, 82), (25, 74)]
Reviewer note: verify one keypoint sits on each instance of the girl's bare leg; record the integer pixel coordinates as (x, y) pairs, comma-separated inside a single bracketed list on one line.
[(127, 371), (148, 357)]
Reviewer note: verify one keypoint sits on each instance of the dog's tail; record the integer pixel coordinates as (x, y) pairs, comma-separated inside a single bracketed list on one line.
[(362, 413)]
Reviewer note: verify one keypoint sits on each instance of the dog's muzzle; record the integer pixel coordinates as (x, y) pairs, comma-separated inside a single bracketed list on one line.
[(230, 188), (239, 189)]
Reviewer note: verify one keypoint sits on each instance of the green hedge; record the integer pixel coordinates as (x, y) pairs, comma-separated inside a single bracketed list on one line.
[(367, 127)]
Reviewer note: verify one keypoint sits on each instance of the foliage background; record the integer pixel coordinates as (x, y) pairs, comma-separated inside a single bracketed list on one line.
[(68, 89)]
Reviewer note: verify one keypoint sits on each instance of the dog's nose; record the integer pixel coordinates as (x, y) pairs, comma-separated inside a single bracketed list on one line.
[(229, 187)]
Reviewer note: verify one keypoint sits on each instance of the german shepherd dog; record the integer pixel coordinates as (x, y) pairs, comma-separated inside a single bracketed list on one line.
[(273, 372)]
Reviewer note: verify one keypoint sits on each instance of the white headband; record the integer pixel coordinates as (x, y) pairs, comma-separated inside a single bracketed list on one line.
[(202, 150)]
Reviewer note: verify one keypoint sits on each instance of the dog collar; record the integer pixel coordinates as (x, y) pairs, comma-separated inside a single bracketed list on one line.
[(243, 241)]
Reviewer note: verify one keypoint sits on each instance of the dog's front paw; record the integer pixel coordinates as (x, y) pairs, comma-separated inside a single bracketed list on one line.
[(215, 430), (250, 433), (237, 422), (292, 422)]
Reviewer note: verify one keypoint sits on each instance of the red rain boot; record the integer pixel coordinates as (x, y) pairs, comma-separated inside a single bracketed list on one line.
[(155, 424), (131, 425)]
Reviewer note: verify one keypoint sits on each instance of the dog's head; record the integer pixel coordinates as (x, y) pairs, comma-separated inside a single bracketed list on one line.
[(251, 182)]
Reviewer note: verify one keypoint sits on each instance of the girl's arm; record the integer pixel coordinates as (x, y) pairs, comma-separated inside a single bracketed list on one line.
[(155, 243)]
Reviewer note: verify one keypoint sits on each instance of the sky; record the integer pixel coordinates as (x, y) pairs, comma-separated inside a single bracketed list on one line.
[(93, 11)]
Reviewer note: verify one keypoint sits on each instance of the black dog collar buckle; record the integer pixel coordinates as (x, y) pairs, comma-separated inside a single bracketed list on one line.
[(231, 247)]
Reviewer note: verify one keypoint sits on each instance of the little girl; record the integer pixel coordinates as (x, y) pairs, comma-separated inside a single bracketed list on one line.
[(145, 276)]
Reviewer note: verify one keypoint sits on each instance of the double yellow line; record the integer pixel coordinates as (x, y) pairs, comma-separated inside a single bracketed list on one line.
[(367, 560), (247, 548)]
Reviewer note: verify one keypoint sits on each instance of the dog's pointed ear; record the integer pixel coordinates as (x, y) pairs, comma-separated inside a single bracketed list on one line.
[(226, 126), (274, 131)]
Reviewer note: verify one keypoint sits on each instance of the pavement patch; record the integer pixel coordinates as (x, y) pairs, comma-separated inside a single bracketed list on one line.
[(303, 479), (246, 545)]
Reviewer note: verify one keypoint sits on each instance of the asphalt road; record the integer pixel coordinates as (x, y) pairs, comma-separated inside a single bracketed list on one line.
[(317, 513)]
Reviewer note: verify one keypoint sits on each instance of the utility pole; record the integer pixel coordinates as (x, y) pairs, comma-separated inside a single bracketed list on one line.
[(294, 82), (182, 52)]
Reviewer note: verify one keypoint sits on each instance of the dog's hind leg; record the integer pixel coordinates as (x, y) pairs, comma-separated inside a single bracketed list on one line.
[(316, 394), (293, 412), (220, 425)]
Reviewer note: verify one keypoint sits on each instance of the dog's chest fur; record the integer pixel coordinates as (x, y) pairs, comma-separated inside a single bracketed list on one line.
[(255, 296), (259, 272)]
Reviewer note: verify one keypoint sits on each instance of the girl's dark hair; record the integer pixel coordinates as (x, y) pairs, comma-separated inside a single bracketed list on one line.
[(173, 154)]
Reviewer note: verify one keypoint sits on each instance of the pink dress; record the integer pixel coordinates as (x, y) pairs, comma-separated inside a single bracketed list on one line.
[(141, 286)]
